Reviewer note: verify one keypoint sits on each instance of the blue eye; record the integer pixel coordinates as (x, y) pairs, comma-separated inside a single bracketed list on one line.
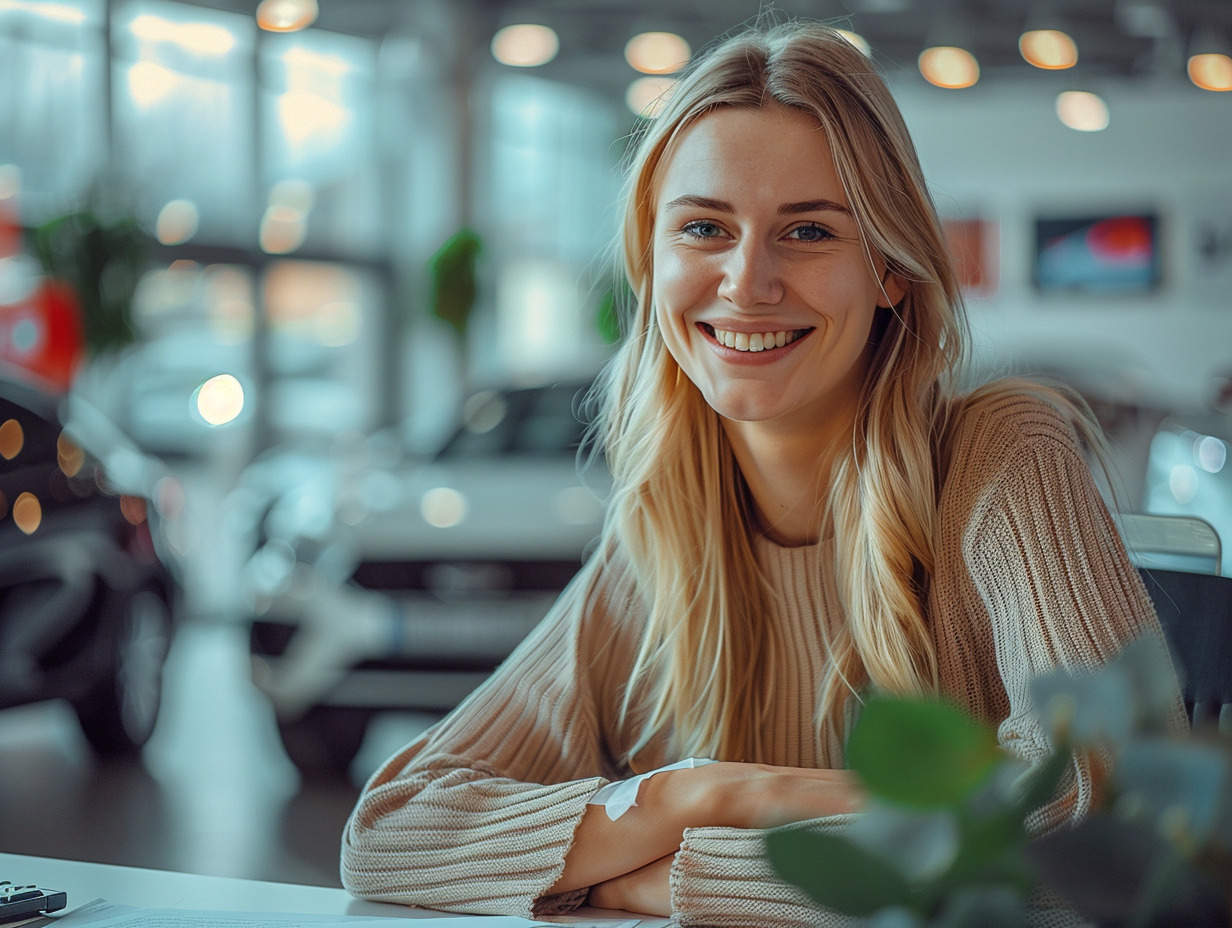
[(810, 232), (703, 228)]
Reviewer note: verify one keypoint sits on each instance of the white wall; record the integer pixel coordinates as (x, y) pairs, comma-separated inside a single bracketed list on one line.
[(1000, 153)]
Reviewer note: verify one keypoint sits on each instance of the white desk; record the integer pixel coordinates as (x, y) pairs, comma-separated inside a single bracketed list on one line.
[(164, 889)]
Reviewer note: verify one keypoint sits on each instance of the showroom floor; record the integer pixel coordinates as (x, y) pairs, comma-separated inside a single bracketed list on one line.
[(213, 791)]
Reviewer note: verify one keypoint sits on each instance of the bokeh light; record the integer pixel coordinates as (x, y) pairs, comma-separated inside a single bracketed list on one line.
[(857, 41), (220, 399), (1212, 71), (647, 96), (177, 222), (443, 507), (525, 45), (657, 52), (1082, 111), (1210, 453), (286, 15), (27, 513), (1049, 49), (1183, 483), (70, 457), (12, 439), (949, 67)]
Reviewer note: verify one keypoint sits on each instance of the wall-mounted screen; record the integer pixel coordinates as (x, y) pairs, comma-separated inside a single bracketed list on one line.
[(1108, 254)]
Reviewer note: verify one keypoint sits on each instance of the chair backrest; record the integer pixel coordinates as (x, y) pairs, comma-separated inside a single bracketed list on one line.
[(1171, 542), (1196, 613)]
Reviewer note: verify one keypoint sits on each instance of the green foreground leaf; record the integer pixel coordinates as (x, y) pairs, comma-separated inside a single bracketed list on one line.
[(835, 873), (922, 754)]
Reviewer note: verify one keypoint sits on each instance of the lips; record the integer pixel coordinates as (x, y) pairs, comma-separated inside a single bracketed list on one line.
[(754, 341)]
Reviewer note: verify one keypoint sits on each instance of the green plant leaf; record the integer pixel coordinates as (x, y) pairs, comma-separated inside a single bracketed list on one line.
[(922, 845), (922, 754), (991, 853), (453, 279), (836, 873)]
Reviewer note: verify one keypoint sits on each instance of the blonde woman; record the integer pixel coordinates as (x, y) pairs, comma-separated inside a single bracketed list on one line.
[(804, 510)]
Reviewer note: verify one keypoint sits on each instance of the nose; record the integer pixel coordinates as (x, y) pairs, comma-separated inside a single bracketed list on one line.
[(750, 275)]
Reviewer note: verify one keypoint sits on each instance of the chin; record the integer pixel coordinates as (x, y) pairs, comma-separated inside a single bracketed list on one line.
[(742, 405)]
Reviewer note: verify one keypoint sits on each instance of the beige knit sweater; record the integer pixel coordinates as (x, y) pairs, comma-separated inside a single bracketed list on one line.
[(476, 815)]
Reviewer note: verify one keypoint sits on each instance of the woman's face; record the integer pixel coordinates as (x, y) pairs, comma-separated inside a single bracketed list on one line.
[(764, 290)]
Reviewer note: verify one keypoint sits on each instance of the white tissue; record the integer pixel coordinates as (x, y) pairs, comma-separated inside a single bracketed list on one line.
[(619, 797)]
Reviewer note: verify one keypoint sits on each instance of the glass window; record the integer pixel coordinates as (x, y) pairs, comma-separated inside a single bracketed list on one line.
[(52, 112), (182, 82), (552, 185), (319, 144)]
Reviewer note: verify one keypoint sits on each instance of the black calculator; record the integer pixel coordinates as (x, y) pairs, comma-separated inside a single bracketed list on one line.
[(19, 901)]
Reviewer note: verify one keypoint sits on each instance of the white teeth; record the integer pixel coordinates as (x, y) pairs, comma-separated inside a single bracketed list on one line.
[(758, 341)]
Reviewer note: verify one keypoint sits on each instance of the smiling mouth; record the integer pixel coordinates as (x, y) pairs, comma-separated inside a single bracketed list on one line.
[(758, 341)]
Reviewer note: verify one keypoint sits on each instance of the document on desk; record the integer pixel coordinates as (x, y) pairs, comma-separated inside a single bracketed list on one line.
[(103, 914)]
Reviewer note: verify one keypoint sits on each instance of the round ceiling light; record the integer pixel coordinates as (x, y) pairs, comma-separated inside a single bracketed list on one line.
[(1211, 71), (949, 67), (525, 45), (657, 52), (286, 15), (1049, 49)]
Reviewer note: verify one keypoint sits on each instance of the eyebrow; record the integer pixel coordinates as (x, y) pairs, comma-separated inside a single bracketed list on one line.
[(787, 209)]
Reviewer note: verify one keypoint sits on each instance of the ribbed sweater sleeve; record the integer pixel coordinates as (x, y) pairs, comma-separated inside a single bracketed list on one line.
[(478, 814), (1054, 582)]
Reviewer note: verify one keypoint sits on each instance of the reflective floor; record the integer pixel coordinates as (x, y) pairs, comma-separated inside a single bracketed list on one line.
[(213, 792)]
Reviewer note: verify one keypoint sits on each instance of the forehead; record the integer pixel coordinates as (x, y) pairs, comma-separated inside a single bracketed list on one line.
[(768, 151)]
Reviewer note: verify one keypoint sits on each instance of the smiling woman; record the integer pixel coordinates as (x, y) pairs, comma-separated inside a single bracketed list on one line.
[(805, 510)]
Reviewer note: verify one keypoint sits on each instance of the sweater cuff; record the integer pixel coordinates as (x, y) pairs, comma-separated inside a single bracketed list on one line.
[(721, 877), (493, 868)]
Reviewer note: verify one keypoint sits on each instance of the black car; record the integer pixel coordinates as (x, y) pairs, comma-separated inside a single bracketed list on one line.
[(86, 600)]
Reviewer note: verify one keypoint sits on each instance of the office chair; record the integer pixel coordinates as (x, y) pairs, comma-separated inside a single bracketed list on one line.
[(1196, 613), (1171, 542), (1179, 559)]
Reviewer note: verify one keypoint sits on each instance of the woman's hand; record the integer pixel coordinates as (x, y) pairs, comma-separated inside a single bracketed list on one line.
[(724, 794), (646, 890), (764, 796)]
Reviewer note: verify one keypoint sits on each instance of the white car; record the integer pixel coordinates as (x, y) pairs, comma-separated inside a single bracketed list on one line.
[(386, 585)]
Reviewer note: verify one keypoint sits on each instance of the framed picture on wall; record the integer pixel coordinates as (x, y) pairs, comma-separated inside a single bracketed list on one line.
[(973, 245), (1112, 253)]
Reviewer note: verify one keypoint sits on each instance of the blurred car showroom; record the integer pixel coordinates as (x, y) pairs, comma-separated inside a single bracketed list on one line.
[(298, 302)]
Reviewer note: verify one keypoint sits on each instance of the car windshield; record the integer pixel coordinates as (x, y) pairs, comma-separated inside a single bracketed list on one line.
[(534, 421)]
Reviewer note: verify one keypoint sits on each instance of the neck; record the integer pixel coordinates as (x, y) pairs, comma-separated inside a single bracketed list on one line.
[(788, 472)]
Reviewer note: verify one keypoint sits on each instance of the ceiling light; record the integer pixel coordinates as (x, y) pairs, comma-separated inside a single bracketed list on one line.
[(856, 40), (1210, 60), (1211, 71), (525, 45), (286, 15), (657, 52), (646, 96), (1050, 49), (949, 66), (1083, 111)]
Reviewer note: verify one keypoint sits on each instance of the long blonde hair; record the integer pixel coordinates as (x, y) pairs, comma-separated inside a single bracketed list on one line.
[(680, 509)]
